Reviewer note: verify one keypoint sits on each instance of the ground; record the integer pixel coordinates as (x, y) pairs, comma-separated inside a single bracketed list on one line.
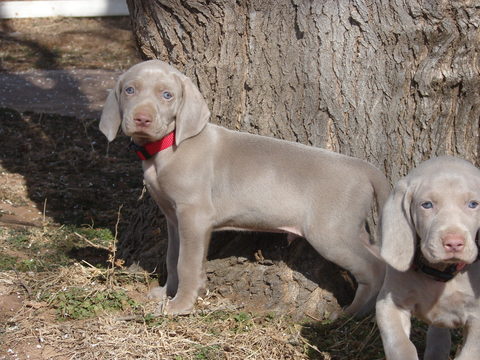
[(64, 193)]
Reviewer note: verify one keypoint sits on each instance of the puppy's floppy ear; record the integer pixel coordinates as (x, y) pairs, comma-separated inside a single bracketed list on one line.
[(193, 113), (398, 231), (111, 117)]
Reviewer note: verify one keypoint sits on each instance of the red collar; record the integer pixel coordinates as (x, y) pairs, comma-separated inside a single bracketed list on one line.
[(148, 150)]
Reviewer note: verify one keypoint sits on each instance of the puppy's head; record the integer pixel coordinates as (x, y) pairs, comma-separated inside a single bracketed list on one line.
[(438, 205), (152, 99)]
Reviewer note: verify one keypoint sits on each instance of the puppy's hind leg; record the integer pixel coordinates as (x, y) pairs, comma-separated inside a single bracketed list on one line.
[(369, 272), (346, 248)]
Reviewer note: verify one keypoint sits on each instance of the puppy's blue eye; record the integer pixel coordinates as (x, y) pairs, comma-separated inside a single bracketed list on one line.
[(130, 90), (167, 95), (427, 205), (473, 204)]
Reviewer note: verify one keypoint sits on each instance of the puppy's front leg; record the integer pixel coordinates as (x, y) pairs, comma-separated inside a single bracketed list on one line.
[(438, 344), (170, 289), (394, 324), (194, 230)]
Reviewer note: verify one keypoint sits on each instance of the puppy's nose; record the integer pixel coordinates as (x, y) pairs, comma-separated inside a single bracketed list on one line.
[(142, 119), (453, 242)]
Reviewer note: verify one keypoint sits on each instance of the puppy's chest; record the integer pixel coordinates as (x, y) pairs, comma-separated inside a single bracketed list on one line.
[(158, 190), (451, 309)]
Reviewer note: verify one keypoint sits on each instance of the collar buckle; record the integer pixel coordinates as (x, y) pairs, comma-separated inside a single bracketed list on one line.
[(141, 152)]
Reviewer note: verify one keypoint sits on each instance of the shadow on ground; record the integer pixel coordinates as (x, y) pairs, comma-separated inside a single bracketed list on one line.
[(69, 168)]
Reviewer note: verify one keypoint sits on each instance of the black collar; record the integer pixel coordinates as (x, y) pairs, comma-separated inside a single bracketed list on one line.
[(438, 272)]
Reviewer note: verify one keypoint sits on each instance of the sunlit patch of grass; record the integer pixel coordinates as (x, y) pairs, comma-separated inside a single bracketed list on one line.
[(77, 303), (7, 262), (47, 248), (19, 238)]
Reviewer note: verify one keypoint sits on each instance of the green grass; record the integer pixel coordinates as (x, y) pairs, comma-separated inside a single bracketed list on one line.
[(211, 352), (19, 238), (7, 262), (77, 303), (44, 249), (102, 237), (243, 322)]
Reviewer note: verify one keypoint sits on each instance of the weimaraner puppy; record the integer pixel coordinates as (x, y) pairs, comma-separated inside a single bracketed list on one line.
[(206, 178), (430, 225)]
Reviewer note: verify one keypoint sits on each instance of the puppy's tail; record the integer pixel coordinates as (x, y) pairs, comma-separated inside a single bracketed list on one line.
[(381, 187)]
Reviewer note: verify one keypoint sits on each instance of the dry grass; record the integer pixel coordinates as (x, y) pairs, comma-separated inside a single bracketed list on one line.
[(133, 332)]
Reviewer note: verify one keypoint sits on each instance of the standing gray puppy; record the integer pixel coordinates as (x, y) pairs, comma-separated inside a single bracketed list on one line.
[(430, 226), (206, 178)]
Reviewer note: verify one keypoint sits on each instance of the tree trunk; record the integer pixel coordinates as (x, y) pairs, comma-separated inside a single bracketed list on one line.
[(390, 82)]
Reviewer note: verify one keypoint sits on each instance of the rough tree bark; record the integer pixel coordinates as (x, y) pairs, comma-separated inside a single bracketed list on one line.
[(387, 81)]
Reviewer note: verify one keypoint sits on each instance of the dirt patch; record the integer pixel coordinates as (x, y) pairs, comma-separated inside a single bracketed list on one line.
[(66, 44), (78, 93), (16, 209), (9, 305), (19, 215), (63, 66)]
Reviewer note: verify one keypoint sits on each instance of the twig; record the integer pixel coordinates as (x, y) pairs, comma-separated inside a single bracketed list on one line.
[(90, 265), (113, 249), (137, 318), (312, 317), (312, 346), (22, 284), (144, 190), (44, 210), (91, 243), (116, 226)]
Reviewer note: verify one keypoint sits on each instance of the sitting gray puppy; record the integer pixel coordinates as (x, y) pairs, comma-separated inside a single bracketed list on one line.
[(206, 178), (430, 227)]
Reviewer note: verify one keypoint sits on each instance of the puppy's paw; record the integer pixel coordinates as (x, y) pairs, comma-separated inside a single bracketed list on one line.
[(175, 307)]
